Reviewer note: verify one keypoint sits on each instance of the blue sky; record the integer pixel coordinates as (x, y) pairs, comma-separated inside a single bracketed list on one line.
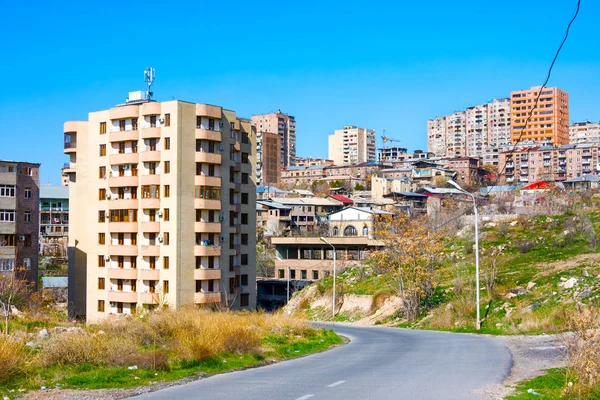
[(381, 65)]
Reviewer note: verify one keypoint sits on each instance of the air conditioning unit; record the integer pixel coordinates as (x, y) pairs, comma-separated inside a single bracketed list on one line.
[(159, 214), (221, 148), (126, 189), (161, 119), (108, 196), (222, 238), (221, 124), (106, 258), (21, 238), (125, 167), (221, 217), (113, 304)]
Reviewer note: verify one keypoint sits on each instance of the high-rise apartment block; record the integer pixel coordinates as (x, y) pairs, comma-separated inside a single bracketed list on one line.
[(549, 122), (499, 123), (285, 126), (584, 132), (456, 134), (268, 158), (19, 217), (161, 208), (352, 145), (436, 136), (476, 119)]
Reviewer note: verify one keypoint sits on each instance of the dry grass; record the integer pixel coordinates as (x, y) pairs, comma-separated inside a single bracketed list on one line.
[(584, 353), (11, 358)]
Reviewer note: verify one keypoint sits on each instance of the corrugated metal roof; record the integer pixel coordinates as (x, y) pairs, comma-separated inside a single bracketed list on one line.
[(273, 204), (583, 178), (54, 192), (55, 281), (309, 201)]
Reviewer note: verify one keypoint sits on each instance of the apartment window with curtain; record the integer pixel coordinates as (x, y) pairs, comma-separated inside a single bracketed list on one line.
[(102, 172), (134, 124), (167, 167), (167, 191), (165, 262), (120, 238), (152, 262), (167, 119), (101, 216), (100, 283), (152, 286), (165, 287), (101, 262), (153, 121), (198, 123), (101, 238), (166, 214), (121, 147), (102, 150), (166, 238), (121, 262), (100, 305), (122, 125), (102, 194), (167, 143), (102, 128), (133, 262)]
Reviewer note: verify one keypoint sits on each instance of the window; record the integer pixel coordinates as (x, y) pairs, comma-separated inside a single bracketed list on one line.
[(133, 285), (244, 198), (244, 219), (167, 167), (27, 241), (231, 240), (121, 124), (165, 262), (167, 119), (28, 171), (7, 191), (165, 287), (292, 274), (133, 262), (166, 214), (7, 240), (245, 239), (167, 191), (151, 192), (350, 231), (152, 286), (211, 285), (198, 122), (101, 216), (134, 148), (244, 178), (101, 262), (123, 215), (211, 124), (133, 237), (231, 285), (152, 262), (101, 238), (119, 308), (102, 194), (27, 193), (102, 128), (245, 158), (134, 124), (101, 172), (27, 216), (231, 263), (167, 143), (100, 283), (166, 238), (153, 121), (152, 217), (281, 273), (365, 231), (244, 280), (27, 263), (303, 274), (102, 150), (315, 275), (244, 259), (336, 231), (120, 239), (207, 192), (244, 300), (100, 305), (7, 216)]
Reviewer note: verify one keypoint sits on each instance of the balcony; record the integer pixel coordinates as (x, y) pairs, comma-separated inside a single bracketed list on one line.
[(123, 204), (149, 203), (124, 158), (124, 112), (150, 179), (68, 168), (151, 108), (207, 134), (122, 273), (152, 227), (123, 136), (200, 251), (207, 274), (122, 297), (207, 298), (206, 110), (151, 156), (70, 146), (150, 251), (210, 158), (207, 204), (205, 180), (151, 133), (149, 274), (207, 227), (122, 227), (149, 298), (123, 181), (122, 250)]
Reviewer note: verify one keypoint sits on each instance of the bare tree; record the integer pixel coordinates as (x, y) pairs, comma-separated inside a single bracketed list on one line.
[(12, 289)]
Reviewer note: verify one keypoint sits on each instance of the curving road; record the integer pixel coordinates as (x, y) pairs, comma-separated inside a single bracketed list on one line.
[(378, 363)]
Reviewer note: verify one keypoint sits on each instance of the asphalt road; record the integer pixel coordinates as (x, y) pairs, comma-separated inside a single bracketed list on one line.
[(378, 363)]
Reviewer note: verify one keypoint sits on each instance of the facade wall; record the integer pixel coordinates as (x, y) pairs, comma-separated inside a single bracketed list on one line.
[(352, 145), (477, 130), (550, 120), (456, 134), (436, 136), (187, 171), (283, 125), (584, 132), (268, 170), (499, 124)]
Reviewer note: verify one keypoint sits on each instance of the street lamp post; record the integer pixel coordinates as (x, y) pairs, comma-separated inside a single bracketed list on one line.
[(456, 185), (333, 298)]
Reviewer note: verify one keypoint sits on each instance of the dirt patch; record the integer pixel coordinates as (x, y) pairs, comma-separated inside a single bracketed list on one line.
[(532, 355), (389, 307), (573, 262)]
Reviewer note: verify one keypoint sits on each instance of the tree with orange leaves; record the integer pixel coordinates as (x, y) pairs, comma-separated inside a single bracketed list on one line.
[(408, 258)]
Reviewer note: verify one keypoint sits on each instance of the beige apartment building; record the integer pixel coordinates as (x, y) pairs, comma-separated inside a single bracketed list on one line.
[(549, 123), (352, 145), (162, 208), (268, 159), (476, 119), (584, 132), (456, 134), (436, 136), (498, 131), (285, 126)]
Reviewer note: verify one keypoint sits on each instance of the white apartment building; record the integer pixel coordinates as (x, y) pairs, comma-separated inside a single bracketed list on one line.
[(499, 123), (584, 132), (477, 130), (436, 136), (456, 134), (352, 145)]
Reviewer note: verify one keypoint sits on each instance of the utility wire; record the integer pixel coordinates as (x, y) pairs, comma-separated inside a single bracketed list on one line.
[(541, 89)]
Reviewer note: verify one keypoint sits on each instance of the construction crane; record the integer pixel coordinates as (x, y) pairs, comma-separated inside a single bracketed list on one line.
[(385, 140)]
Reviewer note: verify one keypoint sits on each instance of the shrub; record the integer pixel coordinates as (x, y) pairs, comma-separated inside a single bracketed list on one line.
[(525, 246), (584, 352), (12, 358)]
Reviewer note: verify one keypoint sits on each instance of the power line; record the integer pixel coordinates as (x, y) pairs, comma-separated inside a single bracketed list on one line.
[(541, 88)]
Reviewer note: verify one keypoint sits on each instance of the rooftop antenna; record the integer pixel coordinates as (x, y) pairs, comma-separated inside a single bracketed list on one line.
[(149, 76)]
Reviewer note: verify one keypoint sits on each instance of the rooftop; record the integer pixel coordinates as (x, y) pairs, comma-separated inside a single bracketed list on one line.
[(54, 192)]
